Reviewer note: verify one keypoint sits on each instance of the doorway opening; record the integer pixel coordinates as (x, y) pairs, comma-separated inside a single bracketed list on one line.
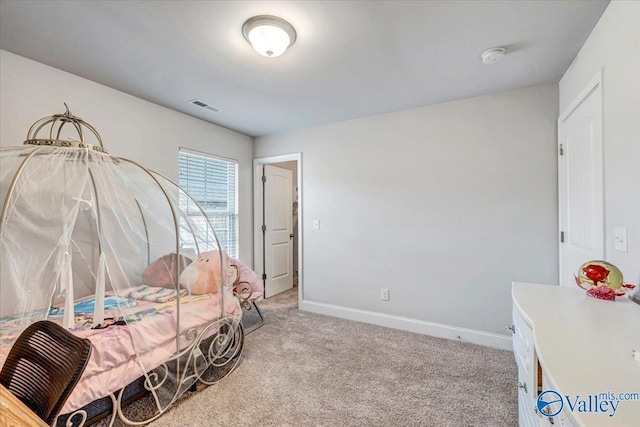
[(278, 236)]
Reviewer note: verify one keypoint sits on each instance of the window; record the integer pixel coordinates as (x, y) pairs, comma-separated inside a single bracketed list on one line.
[(213, 183)]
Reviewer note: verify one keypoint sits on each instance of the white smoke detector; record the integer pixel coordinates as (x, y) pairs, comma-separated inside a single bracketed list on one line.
[(492, 55)]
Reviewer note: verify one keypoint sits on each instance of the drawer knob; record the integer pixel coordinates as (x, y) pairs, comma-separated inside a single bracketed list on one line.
[(523, 386), (511, 328)]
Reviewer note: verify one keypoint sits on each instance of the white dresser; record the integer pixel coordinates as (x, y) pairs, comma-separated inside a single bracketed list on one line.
[(577, 346)]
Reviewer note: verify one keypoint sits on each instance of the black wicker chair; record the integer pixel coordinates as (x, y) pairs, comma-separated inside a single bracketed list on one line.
[(43, 367)]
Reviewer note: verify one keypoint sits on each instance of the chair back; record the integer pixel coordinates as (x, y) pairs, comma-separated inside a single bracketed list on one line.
[(44, 366)]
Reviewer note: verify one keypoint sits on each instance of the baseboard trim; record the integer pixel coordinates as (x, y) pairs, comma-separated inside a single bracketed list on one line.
[(473, 336)]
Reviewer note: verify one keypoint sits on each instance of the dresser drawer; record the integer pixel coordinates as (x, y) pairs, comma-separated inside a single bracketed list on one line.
[(560, 420), (526, 407), (523, 343), (524, 353)]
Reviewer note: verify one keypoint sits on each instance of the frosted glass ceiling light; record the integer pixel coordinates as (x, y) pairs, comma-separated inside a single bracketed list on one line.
[(269, 35)]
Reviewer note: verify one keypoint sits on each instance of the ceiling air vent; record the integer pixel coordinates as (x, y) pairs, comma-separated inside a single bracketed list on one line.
[(201, 104)]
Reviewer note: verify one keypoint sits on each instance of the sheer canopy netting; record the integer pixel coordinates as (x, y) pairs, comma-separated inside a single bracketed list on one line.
[(86, 238)]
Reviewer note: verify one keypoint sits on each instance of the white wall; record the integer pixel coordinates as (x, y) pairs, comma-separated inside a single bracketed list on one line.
[(444, 205), (614, 46), (130, 127)]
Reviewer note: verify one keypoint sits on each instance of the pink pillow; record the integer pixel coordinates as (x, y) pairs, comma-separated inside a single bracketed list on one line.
[(161, 272), (245, 274)]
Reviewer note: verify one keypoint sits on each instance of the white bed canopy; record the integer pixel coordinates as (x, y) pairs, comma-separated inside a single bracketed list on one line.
[(79, 228)]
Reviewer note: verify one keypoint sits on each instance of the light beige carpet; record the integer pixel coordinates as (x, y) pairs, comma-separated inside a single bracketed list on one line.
[(304, 369)]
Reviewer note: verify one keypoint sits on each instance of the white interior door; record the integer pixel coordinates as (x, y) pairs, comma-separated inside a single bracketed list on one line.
[(581, 189), (278, 230)]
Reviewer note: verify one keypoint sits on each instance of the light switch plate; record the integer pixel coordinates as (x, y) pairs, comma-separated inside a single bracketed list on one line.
[(620, 237), (316, 224)]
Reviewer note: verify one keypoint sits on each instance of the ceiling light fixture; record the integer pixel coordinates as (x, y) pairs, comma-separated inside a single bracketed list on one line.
[(269, 35), (492, 55)]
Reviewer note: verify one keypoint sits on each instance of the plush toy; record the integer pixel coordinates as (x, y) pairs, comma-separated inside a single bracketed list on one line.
[(162, 272), (204, 275)]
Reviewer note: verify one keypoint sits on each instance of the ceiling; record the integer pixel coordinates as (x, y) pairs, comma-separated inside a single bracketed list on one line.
[(351, 59)]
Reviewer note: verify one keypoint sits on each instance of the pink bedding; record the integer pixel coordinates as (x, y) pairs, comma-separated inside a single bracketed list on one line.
[(115, 360), (114, 363)]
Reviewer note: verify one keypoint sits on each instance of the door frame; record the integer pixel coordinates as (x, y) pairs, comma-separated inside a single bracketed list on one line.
[(592, 86), (257, 214)]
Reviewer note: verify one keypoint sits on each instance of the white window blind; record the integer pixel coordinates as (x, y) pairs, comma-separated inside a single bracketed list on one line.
[(213, 183)]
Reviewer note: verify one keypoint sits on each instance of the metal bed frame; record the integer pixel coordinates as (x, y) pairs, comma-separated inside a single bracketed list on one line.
[(216, 346)]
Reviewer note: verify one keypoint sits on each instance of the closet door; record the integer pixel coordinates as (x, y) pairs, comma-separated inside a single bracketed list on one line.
[(278, 230), (581, 190)]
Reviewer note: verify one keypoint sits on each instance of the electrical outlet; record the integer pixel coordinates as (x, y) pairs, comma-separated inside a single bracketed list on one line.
[(384, 294)]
